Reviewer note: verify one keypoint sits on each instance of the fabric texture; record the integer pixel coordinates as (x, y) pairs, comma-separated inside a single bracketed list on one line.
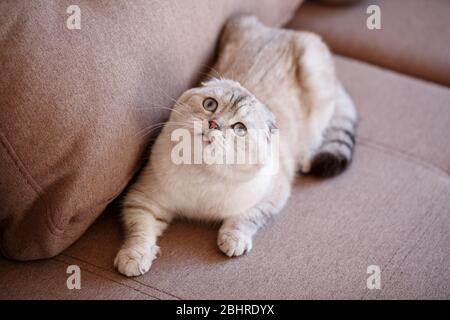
[(389, 209), (413, 38), (76, 105)]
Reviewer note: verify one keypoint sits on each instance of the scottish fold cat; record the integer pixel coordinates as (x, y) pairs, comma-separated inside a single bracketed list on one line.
[(268, 85)]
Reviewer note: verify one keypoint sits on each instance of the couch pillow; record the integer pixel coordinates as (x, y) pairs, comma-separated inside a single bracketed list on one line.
[(75, 103)]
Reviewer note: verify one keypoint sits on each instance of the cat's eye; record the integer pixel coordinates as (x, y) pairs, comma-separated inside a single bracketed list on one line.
[(240, 129), (210, 104)]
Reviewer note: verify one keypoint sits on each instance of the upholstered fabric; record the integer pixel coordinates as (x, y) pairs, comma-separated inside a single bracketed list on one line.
[(413, 38), (75, 103), (390, 209)]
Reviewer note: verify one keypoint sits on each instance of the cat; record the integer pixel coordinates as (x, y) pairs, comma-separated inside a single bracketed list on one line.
[(277, 82)]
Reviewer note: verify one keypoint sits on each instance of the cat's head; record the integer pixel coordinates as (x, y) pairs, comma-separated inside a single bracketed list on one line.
[(230, 123)]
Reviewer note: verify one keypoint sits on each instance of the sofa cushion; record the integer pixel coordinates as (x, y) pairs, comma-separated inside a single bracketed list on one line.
[(77, 104), (389, 209), (413, 38)]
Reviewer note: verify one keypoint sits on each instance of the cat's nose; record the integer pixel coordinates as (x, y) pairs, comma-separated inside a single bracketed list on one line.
[(213, 125)]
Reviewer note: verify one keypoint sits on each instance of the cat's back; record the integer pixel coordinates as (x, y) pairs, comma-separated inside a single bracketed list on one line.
[(249, 50), (263, 59)]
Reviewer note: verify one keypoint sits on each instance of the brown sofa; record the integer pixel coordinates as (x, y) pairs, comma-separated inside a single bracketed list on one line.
[(74, 101)]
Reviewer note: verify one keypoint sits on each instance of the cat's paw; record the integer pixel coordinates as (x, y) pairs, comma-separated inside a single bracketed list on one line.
[(234, 243), (134, 262)]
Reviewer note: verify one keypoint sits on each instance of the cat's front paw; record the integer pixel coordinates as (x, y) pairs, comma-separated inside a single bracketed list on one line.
[(134, 262), (234, 243)]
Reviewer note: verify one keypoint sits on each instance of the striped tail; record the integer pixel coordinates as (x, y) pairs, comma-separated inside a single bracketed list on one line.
[(336, 151)]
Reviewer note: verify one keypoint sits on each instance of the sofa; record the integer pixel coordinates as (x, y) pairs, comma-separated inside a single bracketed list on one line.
[(75, 102)]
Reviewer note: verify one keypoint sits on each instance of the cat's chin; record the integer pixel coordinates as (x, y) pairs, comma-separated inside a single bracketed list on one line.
[(233, 172)]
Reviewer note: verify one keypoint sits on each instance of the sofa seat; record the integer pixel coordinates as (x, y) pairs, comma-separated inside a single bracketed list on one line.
[(414, 35), (390, 209)]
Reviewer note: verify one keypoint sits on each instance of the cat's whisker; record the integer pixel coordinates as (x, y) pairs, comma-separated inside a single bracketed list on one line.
[(218, 75), (147, 130), (175, 101), (207, 76), (165, 108)]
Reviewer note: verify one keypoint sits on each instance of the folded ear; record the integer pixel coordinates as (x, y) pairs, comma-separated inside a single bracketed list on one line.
[(186, 94), (272, 126), (271, 122)]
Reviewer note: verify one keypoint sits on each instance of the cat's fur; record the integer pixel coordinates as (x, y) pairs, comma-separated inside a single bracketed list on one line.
[(281, 78)]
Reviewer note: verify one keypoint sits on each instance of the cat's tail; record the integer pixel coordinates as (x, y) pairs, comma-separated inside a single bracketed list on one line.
[(336, 151)]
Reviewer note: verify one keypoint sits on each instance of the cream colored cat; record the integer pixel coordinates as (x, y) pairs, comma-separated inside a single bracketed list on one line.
[(265, 78)]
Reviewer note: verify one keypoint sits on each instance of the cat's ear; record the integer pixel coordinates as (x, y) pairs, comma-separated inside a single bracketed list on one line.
[(210, 80), (273, 129), (271, 125), (186, 94)]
